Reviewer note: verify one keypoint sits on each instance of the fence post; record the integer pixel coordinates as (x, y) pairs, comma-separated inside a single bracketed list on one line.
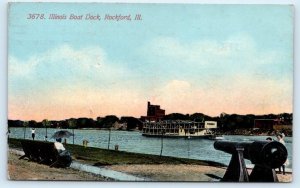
[(108, 138)]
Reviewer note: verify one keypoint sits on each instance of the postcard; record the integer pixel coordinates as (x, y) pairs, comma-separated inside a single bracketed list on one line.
[(150, 92)]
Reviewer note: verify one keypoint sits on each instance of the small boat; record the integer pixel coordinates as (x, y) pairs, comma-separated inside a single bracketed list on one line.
[(216, 137), (219, 138)]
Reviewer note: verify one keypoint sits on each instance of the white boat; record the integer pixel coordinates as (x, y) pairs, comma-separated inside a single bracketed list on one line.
[(179, 128), (217, 137)]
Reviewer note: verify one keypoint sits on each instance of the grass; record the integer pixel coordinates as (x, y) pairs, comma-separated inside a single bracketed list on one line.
[(100, 157)]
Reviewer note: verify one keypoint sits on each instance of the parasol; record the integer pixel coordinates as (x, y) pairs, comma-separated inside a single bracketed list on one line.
[(62, 134)]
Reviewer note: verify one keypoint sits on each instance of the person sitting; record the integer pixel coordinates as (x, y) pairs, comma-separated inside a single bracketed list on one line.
[(59, 146), (64, 156)]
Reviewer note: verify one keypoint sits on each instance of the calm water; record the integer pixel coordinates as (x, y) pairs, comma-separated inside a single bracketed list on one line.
[(134, 142)]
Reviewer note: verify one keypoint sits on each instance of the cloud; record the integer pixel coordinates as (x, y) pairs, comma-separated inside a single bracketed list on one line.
[(66, 65), (209, 76), (257, 96), (237, 54), (67, 82), (19, 69), (77, 102), (60, 61), (192, 52)]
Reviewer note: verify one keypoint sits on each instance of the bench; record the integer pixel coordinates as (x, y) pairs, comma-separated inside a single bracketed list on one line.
[(45, 153)]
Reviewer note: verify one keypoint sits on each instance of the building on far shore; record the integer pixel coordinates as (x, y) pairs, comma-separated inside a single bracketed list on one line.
[(263, 123), (154, 113), (275, 124)]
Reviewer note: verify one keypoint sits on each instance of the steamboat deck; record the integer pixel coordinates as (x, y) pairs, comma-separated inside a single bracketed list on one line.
[(180, 129)]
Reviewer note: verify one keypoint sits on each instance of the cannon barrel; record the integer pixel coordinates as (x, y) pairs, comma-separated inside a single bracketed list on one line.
[(269, 154)]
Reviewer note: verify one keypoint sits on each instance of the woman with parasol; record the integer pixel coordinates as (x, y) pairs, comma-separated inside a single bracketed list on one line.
[(65, 156)]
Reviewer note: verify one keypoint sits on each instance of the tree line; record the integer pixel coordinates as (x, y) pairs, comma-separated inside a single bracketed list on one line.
[(225, 121), (79, 123)]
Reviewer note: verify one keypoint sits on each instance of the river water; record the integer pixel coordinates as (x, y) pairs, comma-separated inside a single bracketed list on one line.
[(133, 141)]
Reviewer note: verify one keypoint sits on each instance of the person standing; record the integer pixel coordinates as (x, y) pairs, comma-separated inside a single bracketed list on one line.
[(280, 138), (33, 133)]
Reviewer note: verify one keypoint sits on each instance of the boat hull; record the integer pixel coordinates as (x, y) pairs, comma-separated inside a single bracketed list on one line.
[(180, 136)]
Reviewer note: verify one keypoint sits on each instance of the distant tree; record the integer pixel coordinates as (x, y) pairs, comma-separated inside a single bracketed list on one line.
[(15, 123), (99, 122), (63, 124), (249, 121), (85, 123), (32, 123), (54, 124), (286, 118), (239, 121), (108, 121), (72, 123), (230, 122), (198, 117), (176, 116), (132, 122)]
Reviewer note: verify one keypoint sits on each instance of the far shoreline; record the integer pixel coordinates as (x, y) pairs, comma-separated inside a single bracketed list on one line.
[(235, 132)]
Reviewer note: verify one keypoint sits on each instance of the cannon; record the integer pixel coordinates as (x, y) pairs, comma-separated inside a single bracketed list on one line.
[(265, 155)]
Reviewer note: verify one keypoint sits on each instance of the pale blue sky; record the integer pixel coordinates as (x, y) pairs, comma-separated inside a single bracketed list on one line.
[(188, 58)]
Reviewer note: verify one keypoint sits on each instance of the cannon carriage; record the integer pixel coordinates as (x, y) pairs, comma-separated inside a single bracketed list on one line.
[(266, 157)]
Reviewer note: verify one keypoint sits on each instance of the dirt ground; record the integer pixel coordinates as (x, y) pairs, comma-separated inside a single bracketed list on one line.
[(173, 172), (181, 172), (25, 170)]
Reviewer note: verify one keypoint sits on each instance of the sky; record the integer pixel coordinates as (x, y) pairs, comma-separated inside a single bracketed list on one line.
[(186, 58)]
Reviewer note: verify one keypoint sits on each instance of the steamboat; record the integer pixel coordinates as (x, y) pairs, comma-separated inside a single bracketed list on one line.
[(180, 129)]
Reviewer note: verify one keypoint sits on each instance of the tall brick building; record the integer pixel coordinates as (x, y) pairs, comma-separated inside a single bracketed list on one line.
[(154, 113)]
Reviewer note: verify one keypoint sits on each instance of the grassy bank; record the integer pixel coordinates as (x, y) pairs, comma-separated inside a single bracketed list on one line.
[(100, 157)]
